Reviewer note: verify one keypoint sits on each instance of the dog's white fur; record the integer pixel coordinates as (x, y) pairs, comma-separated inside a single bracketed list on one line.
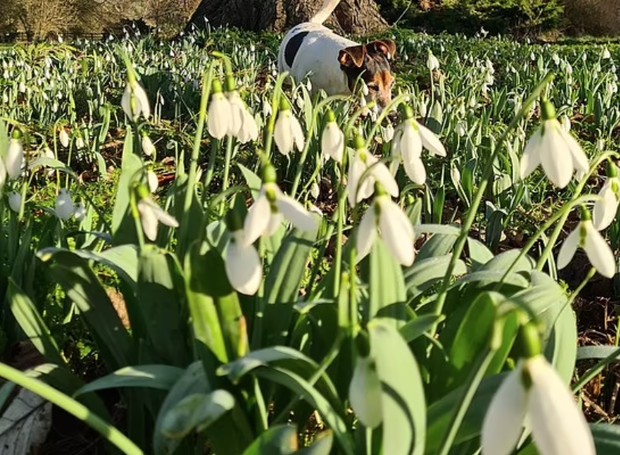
[(317, 57)]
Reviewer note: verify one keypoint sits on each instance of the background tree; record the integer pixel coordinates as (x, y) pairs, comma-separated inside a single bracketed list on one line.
[(38, 18), (352, 16)]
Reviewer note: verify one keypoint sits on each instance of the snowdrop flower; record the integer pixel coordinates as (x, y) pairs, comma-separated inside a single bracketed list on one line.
[(79, 142), (14, 159), (135, 102), (63, 137), (431, 62), (592, 242), (606, 207), (606, 55), (152, 180), (266, 214), (535, 393), (409, 139), (220, 116), (365, 393), (65, 208), (367, 166), (148, 148), (288, 132), (243, 266), (332, 140), (558, 152), (151, 215), (384, 217), (15, 201), (80, 212), (243, 125)]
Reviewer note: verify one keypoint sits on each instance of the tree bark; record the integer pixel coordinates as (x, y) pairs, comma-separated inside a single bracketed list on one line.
[(351, 16)]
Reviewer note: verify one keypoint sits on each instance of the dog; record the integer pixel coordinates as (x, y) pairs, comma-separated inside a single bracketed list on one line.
[(334, 63)]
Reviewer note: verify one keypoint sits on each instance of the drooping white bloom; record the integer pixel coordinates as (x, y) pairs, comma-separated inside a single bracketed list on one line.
[(266, 214), (361, 184), (431, 62), (242, 125), (220, 115), (535, 393), (15, 201), (332, 141), (243, 266), (151, 215), (79, 142), (386, 219), (135, 102), (65, 208), (63, 137), (599, 253), (14, 158), (148, 148), (152, 180), (409, 139), (606, 207), (558, 152), (80, 212), (365, 393), (288, 132)]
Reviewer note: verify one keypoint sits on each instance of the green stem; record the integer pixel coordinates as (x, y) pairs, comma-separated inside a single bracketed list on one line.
[(211, 165), (388, 109), (229, 147), (275, 105), (475, 378), (473, 209), (72, 406)]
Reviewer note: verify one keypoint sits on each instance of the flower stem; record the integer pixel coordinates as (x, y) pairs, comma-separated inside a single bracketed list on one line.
[(229, 147), (473, 209)]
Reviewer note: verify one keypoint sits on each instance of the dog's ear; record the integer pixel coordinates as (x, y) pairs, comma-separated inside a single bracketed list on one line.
[(386, 47), (352, 56)]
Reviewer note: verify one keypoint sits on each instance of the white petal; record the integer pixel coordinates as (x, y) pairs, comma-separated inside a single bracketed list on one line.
[(431, 142), (237, 109), (554, 156), (249, 130), (503, 422), (415, 170), (274, 224), (243, 268), (296, 213), (558, 426), (147, 146), (164, 217), (580, 160), (365, 393), (125, 104), (220, 116), (143, 100), (531, 155), (410, 143), (366, 233), (297, 133), (152, 180), (15, 201), (396, 231), (14, 159), (383, 175), (606, 207), (64, 207), (332, 142), (148, 219), (282, 133), (598, 251), (568, 248), (257, 219), (356, 169)]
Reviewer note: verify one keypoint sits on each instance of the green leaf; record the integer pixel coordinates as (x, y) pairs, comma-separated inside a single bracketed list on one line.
[(403, 402), (161, 296), (438, 245), (561, 348), (32, 323), (416, 328), (84, 289), (503, 261), (386, 285), (596, 352), (196, 412), (493, 277), (424, 273), (253, 181), (161, 377), (277, 440), (478, 252), (322, 445), (606, 438)]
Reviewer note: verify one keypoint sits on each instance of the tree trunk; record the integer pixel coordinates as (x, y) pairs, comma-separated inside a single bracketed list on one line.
[(358, 17)]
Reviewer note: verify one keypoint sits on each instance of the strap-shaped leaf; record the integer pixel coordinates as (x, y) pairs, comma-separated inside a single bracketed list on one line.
[(161, 377), (277, 440)]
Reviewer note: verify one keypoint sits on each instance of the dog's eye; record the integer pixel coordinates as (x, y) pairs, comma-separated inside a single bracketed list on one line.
[(372, 86)]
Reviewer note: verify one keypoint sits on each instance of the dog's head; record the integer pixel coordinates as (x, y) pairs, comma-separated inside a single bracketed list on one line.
[(371, 63)]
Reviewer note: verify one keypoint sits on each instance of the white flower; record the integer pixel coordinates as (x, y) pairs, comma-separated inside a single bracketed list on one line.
[(148, 148), (606, 207), (151, 215), (14, 159), (461, 129), (242, 125), (558, 152), (15, 201), (2, 174), (65, 208), (80, 212), (332, 141), (265, 215), (135, 102), (243, 266), (409, 139), (431, 62), (79, 142), (220, 116), (152, 180), (534, 392), (288, 132), (359, 189), (606, 55), (365, 393), (63, 137), (386, 218), (592, 242)]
